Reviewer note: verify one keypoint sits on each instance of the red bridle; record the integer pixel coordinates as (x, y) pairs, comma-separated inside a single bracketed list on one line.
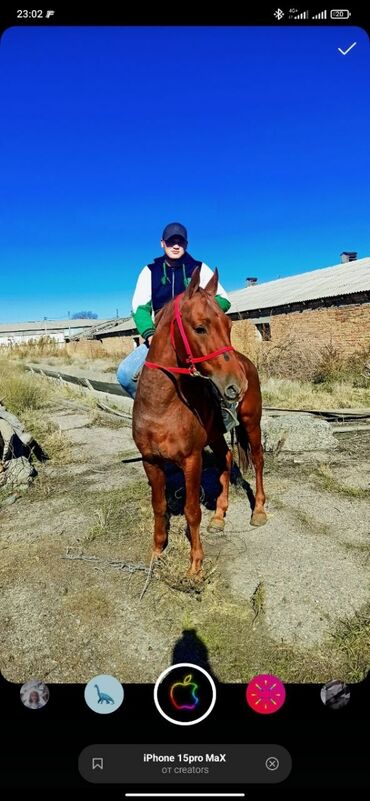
[(192, 360)]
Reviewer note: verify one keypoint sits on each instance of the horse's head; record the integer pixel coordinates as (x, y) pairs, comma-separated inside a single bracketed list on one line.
[(208, 329)]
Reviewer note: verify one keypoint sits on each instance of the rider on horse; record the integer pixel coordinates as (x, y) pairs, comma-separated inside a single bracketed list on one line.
[(157, 284)]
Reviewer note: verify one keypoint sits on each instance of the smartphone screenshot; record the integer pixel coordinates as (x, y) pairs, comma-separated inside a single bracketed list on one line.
[(184, 402)]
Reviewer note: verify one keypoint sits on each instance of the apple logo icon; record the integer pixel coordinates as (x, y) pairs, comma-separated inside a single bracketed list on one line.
[(183, 694)]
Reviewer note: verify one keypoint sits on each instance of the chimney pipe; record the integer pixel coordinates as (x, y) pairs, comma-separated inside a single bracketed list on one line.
[(251, 281), (348, 255)]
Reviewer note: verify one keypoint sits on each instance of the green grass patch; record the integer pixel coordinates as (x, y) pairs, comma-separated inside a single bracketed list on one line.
[(324, 478), (258, 599)]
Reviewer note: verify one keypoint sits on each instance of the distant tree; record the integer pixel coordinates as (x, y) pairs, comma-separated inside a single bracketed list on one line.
[(84, 315)]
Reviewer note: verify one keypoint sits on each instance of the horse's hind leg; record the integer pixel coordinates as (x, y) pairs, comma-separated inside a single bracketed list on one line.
[(224, 460), (157, 480), (192, 469), (249, 414), (252, 430)]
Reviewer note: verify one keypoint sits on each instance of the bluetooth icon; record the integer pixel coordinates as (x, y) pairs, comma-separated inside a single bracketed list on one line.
[(279, 14)]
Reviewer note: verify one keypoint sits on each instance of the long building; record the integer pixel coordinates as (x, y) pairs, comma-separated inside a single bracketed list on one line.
[(327, 305), (58, 330)]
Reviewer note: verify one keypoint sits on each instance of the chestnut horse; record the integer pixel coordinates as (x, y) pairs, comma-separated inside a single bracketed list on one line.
[(175, 413)]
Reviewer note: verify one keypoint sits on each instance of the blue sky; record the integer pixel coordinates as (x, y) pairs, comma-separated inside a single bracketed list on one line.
[(255, 138)]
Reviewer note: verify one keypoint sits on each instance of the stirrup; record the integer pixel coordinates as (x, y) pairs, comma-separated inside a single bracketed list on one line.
[(229, 417)]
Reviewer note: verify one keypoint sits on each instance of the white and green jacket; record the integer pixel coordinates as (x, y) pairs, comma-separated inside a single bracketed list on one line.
[(158, 283)]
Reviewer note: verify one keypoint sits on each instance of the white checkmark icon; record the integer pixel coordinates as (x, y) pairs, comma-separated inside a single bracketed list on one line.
[(344, 52)]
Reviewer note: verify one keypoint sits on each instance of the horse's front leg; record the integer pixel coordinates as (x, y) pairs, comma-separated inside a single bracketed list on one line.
[(192, 468), (157, 480), (224, 460)]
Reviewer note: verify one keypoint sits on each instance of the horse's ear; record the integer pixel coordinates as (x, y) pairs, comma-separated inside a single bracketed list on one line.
[(212, 285), (194, 284)]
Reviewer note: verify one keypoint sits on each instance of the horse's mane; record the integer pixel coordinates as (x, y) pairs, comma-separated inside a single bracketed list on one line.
[(158, 317), (163, 315)]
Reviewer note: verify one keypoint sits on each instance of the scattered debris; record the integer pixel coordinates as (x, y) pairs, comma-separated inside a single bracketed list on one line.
[(17, 447), (19, 472), (131, 568), (109, 409)]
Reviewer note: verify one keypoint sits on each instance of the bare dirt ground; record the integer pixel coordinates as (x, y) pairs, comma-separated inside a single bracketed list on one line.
[(291, 598)]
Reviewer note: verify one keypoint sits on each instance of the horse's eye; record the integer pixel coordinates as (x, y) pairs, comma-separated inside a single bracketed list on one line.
[(200, 329)]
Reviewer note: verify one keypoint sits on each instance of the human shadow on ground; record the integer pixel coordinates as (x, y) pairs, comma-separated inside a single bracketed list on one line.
[(210, 485)]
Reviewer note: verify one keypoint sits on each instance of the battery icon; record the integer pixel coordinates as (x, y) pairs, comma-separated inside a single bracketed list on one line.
[(340, 13)]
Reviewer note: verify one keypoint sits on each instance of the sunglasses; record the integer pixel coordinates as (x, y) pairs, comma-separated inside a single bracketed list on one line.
[(176, 240)]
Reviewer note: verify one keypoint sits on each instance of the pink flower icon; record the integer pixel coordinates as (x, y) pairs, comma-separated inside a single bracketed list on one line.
[(265, 694)]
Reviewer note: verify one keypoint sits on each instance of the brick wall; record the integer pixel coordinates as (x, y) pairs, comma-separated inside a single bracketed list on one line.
[(347, 328), (246, 338), (118, 346), (308, 344)]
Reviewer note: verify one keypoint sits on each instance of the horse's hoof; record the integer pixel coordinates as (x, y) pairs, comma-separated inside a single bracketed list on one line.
[(197, 575), (258, 519), (158, 554), (217, 524)]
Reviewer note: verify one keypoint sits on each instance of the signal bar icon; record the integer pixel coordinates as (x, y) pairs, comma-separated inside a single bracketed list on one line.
[(304, 15), (321, 15)]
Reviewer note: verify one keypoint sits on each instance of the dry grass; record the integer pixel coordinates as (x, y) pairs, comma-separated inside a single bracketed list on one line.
[(52, 439), (30, 397), (89, 349), (352, 641), (125, 509), (258, 599), (20, 391), (325, 479), (68, 352), (44, 346), (295, 394)]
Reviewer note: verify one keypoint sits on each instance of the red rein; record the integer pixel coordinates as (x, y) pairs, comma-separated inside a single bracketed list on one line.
[(192, 360)]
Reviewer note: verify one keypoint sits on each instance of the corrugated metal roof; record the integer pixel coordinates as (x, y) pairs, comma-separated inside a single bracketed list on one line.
[(111, 327), (341, 279), (124, 324), (49, 325)]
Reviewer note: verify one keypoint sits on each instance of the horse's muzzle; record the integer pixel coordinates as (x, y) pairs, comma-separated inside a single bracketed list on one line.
[(232, 392)]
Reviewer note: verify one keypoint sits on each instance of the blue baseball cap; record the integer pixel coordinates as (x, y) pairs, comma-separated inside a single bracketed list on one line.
[(174, 229)]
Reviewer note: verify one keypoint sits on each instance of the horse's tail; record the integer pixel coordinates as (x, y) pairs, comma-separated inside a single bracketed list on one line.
[(240, 448)]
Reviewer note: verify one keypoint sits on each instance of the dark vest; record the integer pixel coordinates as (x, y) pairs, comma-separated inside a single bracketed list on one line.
[(168, 282)]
